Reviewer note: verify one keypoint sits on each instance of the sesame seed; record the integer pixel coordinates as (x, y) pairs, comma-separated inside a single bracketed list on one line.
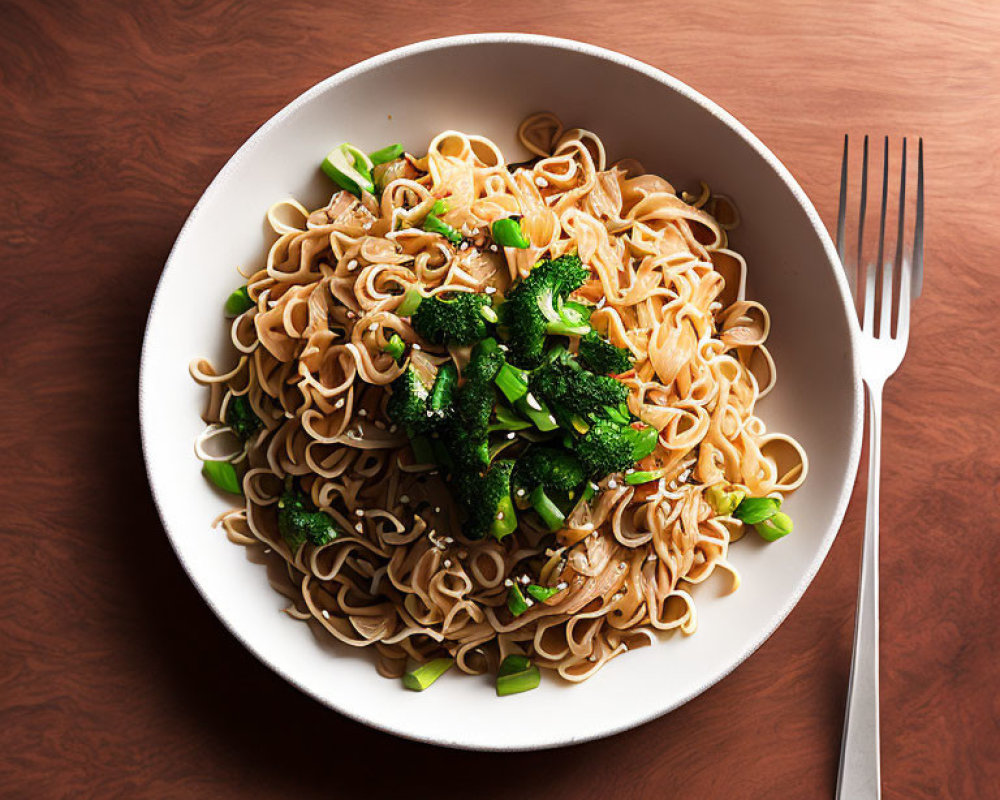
[(404, 498), (362, 412), (511, 435), (416, 346), (326, 614), (508, 582), (437, 509), (525, 579), (339, 403), (267, 551), (651, 557), (499, 516), (621, 566), (490, 289), (592, 657), (494, 248), (612, 484), (463, 246), (351, 315), (529, 602), (367, 226), (630, 470), (532, 402), (373, 327), (352, 265), (448, 540), (520, 493), (562, 585), (359, 528), (359, 512), (540, 181), (447, 563)]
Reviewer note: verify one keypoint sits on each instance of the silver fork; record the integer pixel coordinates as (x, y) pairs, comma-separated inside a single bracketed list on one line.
[(883, 290)]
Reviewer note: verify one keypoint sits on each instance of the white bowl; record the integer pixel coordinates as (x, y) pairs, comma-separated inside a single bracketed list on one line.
[(486, 84)]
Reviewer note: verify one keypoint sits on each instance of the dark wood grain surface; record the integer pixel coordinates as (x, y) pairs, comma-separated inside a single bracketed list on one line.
[(117, 681)]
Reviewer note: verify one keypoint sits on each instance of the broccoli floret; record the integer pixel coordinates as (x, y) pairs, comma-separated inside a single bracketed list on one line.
[(459, 320), (466, 436), (537, 306), (551, 468), (571, 390), (487, 502), (299, 521), (408, 404), (612, 447), (240, 417), (602, 357)]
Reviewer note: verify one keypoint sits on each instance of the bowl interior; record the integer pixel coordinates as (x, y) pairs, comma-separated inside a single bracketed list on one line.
[(486, 85)]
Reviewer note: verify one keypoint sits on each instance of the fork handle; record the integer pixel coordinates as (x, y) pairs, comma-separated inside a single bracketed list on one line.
[(859, 777)]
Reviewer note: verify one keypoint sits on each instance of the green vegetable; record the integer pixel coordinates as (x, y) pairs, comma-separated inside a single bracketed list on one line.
[(756, 509), (551, 468), (774, 527), (517, 674), (459, 320), (434, 224), (507, 420), (241, 418), (350, 169), (513, 382), (443, 391), (389, 153), (610, 447), (602, 357), (542, 593), (487, 501), (568, 389), (395, 347), (408, 404), (299, 521), (635, 478), (423, 450), (419, 676), (222, 474), (537, 412), (515, 601), (411, 300), (723, 502), (238, 302), (440, 207), (537, 307), (510, 233), (548, 511)]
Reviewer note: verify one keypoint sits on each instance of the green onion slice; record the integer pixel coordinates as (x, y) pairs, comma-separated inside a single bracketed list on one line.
[(542, 593), (349, 168), (641, 476), (507, 420), (515, 601), (419, 676), (645, 442), (547, 510), (395, 347), (411, 301), (388, 153), (510, 233), (517, 674), (238, 302), (774, 527), (756, 509), (222, 474), (513, 382), (434, 224)]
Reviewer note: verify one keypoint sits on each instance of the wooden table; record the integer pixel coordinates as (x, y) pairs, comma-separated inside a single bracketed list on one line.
[(117, 681)]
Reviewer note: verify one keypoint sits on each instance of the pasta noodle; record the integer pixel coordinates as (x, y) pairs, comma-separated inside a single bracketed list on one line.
[(311, 361)]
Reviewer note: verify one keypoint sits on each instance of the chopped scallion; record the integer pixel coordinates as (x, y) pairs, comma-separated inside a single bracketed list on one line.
[(774, 527), (411, 301), (350, 169), (756, 509), (634, 478), (510, 233), (238, 302), (434, 224), (419, 676), (513, 382), (549, 512), (388, 153), (222, 474), (542, 593), (515, 601), (517, 674), (395, 347)]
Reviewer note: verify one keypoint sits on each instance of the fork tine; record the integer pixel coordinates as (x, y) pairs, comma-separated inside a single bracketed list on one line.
[(842, 212), (883, 270), (900, 230), (903, 315), (917, 283), (867, 294), (862, 210)]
